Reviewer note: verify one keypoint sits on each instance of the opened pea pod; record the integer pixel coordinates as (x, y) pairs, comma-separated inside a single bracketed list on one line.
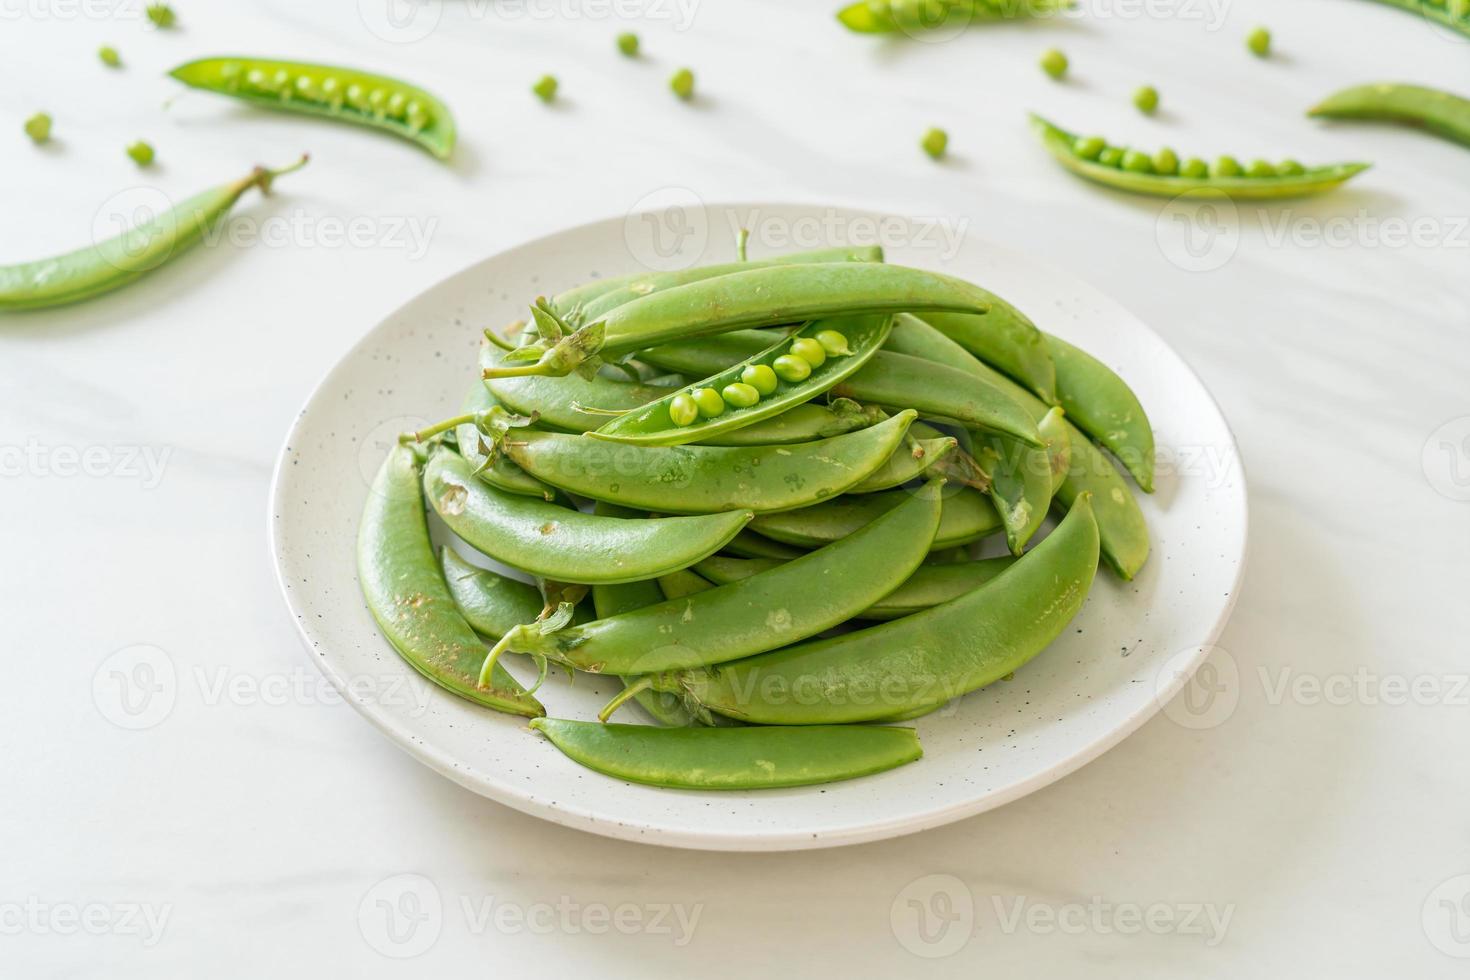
[(911, 16)]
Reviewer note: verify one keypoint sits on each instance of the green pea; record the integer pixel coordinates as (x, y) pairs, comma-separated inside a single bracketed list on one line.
[(417, 115), (255, 78), (1194, 168), (356, 96), (935, 142), (38, 127), (162, 15), (141, 153), (332, 91), (761, 378), (708, 401), (377, 100), (306, 88), (1137, 162), (1166, 162), (1260, 168), (545, 88), (1259, 42), (1147, 99), (809, 350), (1290, 168), (683, 83), (1110, 156), (682, 410), (628, 44), (740, 394), (109, 56), (397, 104), (281, 82), (1088, 147), (1053, 62), (1225, 166), (791, 368), (833, 343)]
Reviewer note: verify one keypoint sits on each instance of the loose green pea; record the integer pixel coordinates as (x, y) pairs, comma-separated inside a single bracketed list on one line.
[(809, 350), (38, 127), (1194, 167), (1260, 168), (1137, 162), (628, 44), (545, 88), (1225, 166), (709, 401), (833, 343), (740, 394), (1166, 162), (682, 410), (1088, 147), (761, 378), (162, 15), (1147, 99), (141, 153), (683, 83), (1110, 156), (935, 142), (109, 56), (791, 368), (1053, 62), (1259, 42), (1290, 168)]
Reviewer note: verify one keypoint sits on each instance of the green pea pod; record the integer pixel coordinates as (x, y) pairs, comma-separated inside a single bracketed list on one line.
[(1101, 404), (118, 261), (681, 583), (492, 603), (1022, 479), (889, 379), (1454, 14), (919, 660), (1438, 112), (1120, 523), (344, 94), (930, 585), (653, 425), (790, 602), (749, 545), (968, 516), (572, 403), (911, 16), (1311, 180), (587, 303), (761, 297), (407, 594), (802, 423), (1006, 338), (922, 449), (498, 471), (567, 545), (732, 758)]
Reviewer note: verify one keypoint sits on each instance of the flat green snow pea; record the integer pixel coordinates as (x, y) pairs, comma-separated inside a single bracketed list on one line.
[(790, 602), (499, 471), (802, 423), (748, 544), (1120, 523), (1438, 112), (656, 423), (572, 403), (889, 379), (1023, 479), (923, 448), (1101, 404), (760, 297), (677, 585), (732, 758), (1006, 338), (1454, 14), (492, 603), (118, 261), (407, 595), (968, 516), (923, 659), (344, 94), (909, 16), (563, 544), (707, 479), (1267, 181), (930, 585)]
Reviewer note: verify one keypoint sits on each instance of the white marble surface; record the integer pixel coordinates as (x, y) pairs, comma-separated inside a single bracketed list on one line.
[(260, 825)]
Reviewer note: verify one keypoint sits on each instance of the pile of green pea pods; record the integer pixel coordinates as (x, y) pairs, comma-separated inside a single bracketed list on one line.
[(755, 493)]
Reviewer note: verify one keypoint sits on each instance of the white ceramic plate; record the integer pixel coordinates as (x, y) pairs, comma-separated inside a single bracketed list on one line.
[(1133, 646)]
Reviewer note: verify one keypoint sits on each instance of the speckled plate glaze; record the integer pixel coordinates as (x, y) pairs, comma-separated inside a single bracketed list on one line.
[(1132, 648)]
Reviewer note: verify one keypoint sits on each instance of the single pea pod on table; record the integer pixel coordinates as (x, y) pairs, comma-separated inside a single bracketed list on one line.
[(1163, 174), (329, 91), (907, 16), (1441, 113)]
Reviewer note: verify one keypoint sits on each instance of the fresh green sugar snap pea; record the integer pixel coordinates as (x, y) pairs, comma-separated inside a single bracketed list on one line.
[(495, 470), (1454, 14), (1007, 338), (759, 297), (1023, 479), (572, 403), (967, 516), (656, 424), (1414, 105), (801, 423), (563, 544), (118, 261), (677, 585), (707, 479), (748, 544), (1101, 404), (331, 92), (407, 594), (921, 449), (732, 758), (790, 602), (922, 659), (912, 16), (1121, 527), (1227, 176), (492, 603)]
